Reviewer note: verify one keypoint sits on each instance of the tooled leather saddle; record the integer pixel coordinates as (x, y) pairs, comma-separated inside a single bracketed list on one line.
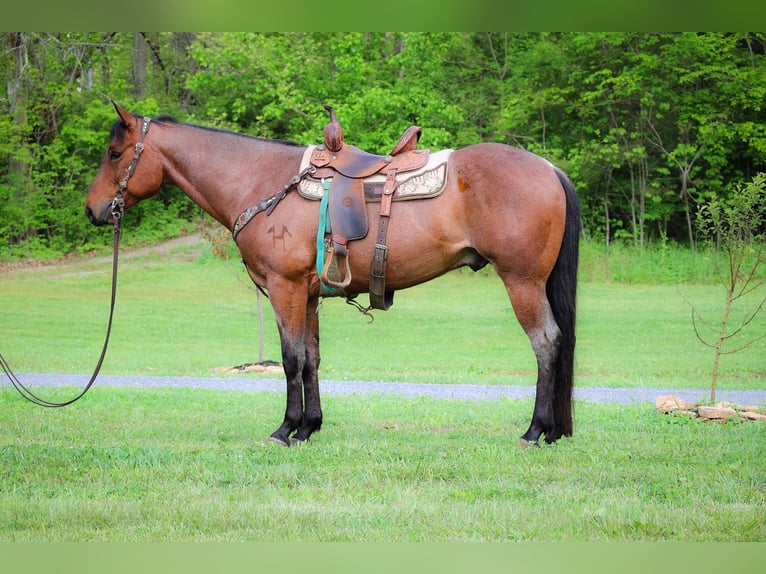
[(348, 166)]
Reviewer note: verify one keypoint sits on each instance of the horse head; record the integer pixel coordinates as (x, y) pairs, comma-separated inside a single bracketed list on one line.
[(121, 173)]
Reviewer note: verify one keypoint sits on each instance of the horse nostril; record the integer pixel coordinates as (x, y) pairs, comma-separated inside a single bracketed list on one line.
[(92, 216)]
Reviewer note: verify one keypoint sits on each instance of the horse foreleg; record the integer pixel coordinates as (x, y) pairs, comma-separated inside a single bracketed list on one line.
[(290, 311), (294, 409), (298, 324), (312, 413)]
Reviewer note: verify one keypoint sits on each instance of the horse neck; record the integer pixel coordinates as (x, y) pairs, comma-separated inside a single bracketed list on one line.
[(223, 172)]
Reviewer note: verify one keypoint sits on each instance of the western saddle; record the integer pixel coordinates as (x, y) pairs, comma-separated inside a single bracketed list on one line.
[(347, 166)]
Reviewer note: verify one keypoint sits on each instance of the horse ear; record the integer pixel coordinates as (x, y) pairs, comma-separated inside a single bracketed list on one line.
[(126, 117)]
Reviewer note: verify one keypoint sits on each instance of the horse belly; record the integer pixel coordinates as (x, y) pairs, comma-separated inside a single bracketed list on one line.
[(425, 239)]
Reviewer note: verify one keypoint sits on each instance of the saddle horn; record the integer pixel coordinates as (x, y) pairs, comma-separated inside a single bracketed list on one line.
[(333, 133)]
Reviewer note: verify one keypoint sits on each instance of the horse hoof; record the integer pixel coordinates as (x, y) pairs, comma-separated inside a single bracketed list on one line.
[(279, 441), (524, 443)]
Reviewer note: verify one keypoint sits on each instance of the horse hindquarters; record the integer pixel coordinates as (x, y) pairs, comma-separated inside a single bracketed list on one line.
[(523, 216)]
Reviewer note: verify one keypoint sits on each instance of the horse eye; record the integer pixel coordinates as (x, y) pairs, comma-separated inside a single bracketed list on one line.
[(115, 154)]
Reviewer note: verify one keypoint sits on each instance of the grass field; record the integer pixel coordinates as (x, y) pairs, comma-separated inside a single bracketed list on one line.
[(180, 314), (193, 465), (183, 465)]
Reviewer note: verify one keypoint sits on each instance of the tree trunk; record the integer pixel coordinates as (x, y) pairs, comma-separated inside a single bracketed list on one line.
[(720, 342), (607, 222), (17, 168), (689, 224), (139, 64), (181, 42), (261, 325), (643, 183)]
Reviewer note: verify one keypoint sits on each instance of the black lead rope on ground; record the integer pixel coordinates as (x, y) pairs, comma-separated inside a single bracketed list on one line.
[(31, 396)]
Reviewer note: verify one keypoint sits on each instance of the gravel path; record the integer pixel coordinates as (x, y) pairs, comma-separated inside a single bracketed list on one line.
[(406, 390)]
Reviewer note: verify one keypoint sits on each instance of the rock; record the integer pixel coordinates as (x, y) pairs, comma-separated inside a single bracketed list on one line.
[(753, 416), (717, 413), (721, 412), (751, 408), (669, 403)]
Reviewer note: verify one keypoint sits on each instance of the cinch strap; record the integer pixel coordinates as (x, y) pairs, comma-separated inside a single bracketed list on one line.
[(321, 230)]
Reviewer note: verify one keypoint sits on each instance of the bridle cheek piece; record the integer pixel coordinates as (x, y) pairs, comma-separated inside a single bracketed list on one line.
[(118, 203)]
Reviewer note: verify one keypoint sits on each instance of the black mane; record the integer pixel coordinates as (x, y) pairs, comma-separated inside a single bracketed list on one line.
[(118, 130), (165, 119)]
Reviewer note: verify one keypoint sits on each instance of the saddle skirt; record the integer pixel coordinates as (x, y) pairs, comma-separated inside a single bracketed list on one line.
[(425, 182)]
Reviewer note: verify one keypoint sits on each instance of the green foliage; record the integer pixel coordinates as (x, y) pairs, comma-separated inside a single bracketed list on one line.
[(648, 125), (735, 223), (658, 263)]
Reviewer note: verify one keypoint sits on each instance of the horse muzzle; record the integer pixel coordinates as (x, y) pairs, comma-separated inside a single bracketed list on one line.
[(98, 219)]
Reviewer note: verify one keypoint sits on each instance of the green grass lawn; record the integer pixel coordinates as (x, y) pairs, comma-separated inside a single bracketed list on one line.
[(166, 464), (186, 465), (177, 316)]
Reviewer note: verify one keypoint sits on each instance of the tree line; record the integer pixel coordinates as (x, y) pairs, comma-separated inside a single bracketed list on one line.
[(650, 126)]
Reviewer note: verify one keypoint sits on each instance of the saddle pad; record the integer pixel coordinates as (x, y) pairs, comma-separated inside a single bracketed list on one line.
[(428, 181)]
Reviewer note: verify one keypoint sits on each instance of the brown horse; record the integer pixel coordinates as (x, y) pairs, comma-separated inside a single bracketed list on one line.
[(501, 205)]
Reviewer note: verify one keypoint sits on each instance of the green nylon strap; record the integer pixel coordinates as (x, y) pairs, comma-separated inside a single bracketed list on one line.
[(323, 228)]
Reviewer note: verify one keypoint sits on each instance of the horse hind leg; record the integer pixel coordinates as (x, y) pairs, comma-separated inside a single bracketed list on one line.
[(536, 318)]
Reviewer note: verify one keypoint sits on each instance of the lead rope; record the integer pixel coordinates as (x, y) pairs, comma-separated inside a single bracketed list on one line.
[(23, 390), (118, 209)]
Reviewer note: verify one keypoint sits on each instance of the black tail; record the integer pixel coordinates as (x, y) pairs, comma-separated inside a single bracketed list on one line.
[(561, 290)]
